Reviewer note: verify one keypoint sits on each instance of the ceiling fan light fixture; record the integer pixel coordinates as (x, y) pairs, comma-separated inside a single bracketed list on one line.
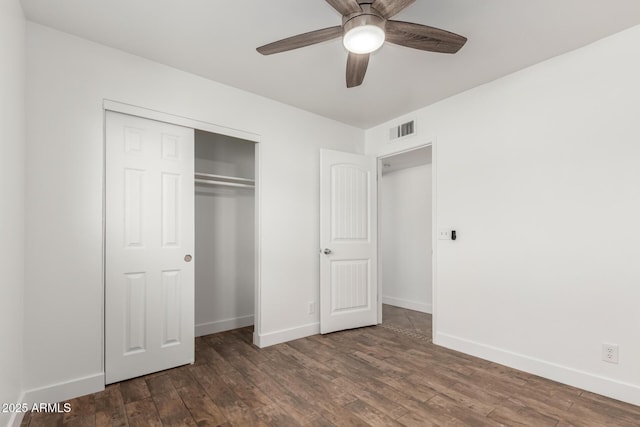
[(364, 29), (364, 34)]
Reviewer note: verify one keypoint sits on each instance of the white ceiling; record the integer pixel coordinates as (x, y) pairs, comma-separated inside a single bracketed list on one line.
[(216, 39)]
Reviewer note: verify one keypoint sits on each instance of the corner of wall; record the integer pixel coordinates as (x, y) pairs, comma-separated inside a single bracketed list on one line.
[(12, 183), (284, 335)]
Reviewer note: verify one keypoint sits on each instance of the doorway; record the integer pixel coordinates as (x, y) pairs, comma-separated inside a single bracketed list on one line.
[(405, 230), (225, 236)]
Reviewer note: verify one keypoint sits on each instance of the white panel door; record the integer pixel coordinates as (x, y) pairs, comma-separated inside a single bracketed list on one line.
[(348, 228), (149, 238)]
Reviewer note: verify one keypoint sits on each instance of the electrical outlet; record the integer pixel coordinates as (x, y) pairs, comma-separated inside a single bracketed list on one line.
[(444, 234), (312, 307), (610, 353)]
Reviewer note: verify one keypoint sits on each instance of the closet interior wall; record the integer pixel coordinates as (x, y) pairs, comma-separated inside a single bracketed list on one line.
[(225, 234)]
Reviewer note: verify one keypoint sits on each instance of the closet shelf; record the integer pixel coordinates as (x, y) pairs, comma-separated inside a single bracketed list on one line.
[(229, 181)]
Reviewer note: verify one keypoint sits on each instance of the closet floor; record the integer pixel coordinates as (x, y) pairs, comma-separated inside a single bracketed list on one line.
[(370, 376)]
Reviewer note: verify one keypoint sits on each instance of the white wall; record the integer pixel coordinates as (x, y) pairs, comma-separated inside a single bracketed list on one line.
[(12, 176), (405, 238), (68, 78), (225, 236), (539, 173)]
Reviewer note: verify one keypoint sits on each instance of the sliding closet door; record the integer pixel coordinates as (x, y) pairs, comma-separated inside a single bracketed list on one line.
[(149, 237)]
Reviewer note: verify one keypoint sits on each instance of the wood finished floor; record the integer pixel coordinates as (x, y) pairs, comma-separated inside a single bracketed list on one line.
[(387, 375)]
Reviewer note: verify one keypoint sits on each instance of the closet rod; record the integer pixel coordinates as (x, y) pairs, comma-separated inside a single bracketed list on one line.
[(225, 183), (233, 178)]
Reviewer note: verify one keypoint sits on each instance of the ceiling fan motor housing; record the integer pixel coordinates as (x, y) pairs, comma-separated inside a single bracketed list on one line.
[(367, 23), (368, 16)]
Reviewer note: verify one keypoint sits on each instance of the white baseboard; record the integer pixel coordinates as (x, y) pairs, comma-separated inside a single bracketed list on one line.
[(16, 418), (609, 387), (284, 335), (223, 325), (65, 390), (409, 305), (59, 392)]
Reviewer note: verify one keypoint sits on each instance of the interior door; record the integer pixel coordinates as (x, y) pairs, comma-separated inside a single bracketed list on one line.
[(348, 239), (149, 239)]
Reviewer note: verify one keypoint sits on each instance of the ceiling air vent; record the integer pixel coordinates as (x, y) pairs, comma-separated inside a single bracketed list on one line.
[(403, 130)]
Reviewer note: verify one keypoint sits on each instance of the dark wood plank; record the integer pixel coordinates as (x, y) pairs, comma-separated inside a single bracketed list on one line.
[(251, 396), (464, 416), (298, 408), (521, 416), (274, 415), (181, 377), (368, 376), (134, 390), (390, 369), (201, 407), (44, 419), (160, 384), (378, 400), (143, 413), (25, 420), (621, 412), (403, 395), (88, 420), (172, 411), (372, 416), (110, 411), (319, 422), (419, 392), (310, 347), (82, 413), (236, 411)]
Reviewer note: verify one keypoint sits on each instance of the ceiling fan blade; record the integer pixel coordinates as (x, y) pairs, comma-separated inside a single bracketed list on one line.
[(301, 40), (356, 68), (389, 8), (423, 37), (345, 7)]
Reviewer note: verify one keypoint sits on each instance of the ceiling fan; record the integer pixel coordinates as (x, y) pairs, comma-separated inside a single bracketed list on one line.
[(366, 25)]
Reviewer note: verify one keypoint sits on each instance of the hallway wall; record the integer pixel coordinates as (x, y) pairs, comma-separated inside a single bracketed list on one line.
[(405, 239)]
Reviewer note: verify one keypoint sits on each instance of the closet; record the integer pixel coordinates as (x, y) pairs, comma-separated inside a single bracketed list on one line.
[(179, 238), (224, 232)]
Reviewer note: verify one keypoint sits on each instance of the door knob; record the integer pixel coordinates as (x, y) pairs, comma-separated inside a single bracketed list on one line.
[(327, 251), (188, 258)]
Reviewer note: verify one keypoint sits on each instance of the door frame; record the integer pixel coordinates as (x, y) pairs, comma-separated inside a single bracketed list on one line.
[(146, 113), (379, 159)]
